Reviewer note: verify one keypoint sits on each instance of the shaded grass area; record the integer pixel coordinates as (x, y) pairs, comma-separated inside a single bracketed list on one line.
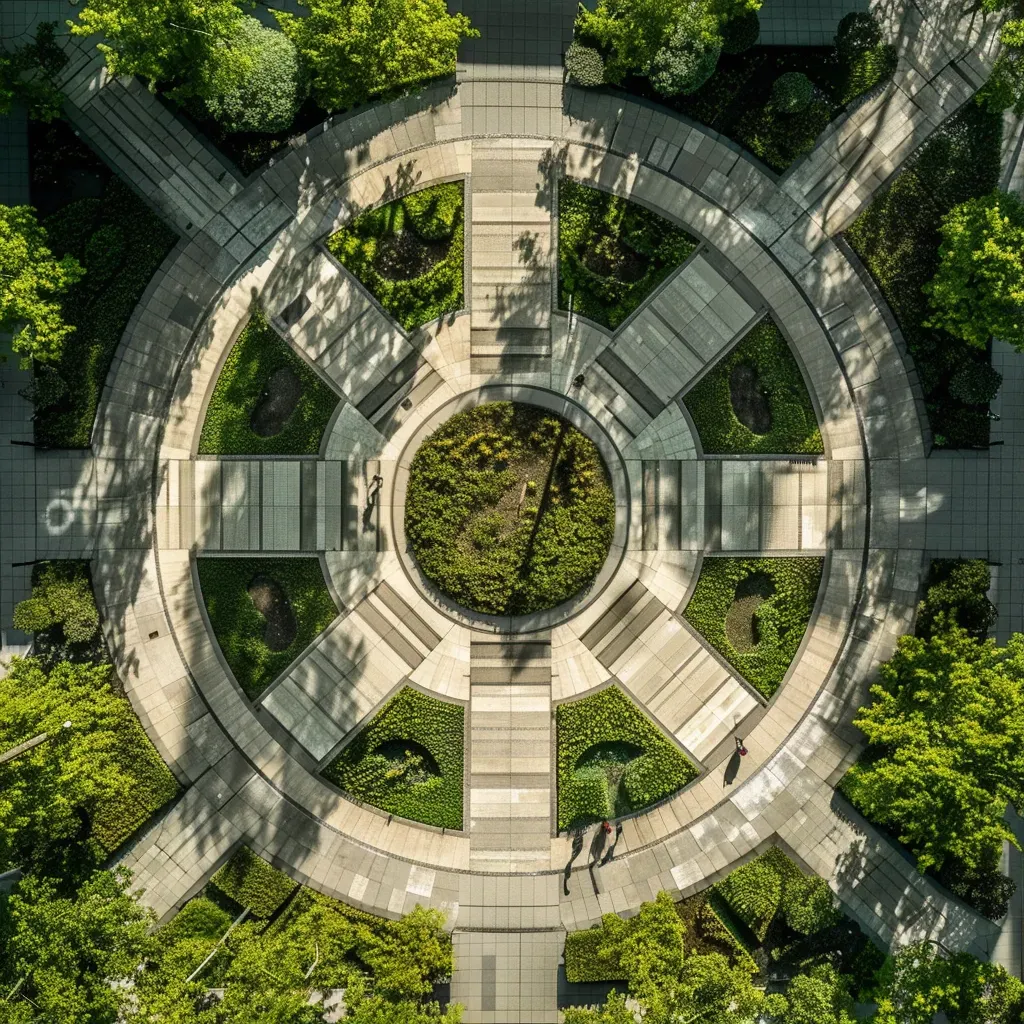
[(613, 760), (792, 424), (251, 882), (509, 509), (897, 237), (409, 253), (787, 588), (408, 760), (248, 412), (612, 252), (241, 630), (121, 243)]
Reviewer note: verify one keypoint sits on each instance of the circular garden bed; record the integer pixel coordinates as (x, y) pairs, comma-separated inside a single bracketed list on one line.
[(509, 509)]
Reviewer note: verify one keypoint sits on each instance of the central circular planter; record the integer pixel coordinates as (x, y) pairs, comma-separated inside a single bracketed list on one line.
[(510, 508)]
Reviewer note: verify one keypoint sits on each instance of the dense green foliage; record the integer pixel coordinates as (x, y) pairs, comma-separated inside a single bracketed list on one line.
[(978, 289), (612, 252), (408, 760), (898, 239), (356, 49), (61, 601), (251, 882), (792, 92), (509, 509), (34, 280), (957, 594), (612, 759), (409, 253), (256, 356), (794, 426), (583, 64), (1004, 89), (975, 383), (121, 244), (238, 625), (788, 588), (27, 75), (946, 747), (76, 797)]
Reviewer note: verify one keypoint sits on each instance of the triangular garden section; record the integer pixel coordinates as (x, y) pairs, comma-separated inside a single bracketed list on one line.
[(408, 760), (754, 400), (613, 760), (612, 252), (409, 253)]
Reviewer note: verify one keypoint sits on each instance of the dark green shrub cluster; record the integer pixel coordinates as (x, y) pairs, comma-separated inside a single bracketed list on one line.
[(794, 426), (792, 92), (239, 627), (408, 760), (897, 237), (584, 961), (121, 243), (251, 882), (612, 252), (781, 617), (642, 766), (420, 235), (741, 32), (61, 611), (509, 509), (255, 357), (957, 594)]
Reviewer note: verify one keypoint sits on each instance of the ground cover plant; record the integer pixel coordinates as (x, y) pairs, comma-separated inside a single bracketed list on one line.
[(264, 613), (121, 243), (613, 760), (612, 252), (898, 239), (509, 509), (267, 401), (408, 760), (409, 253), (251, 882), (754, 401), (754, 612)]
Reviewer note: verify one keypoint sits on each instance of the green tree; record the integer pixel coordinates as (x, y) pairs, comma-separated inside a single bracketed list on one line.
[(65, 954), (407, 958), (1005, 86), (978, 290), (691, 51), (358, 48), (819, 997), (651, 951), (947, 746), (31, 281), (957, 594), (61, 596), (27, 75), (614, 1011)]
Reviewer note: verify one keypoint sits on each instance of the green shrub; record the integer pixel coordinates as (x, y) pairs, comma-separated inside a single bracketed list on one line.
[(686, 62), (612, 252), (493, 525), (792, 92), (239, 627), (779, 138), (62, 606), (975, 383), (184, 942), (858, 33), (367, 248), (122, 244), (251, 882), (957, 593), (741, 32), (866, 70), (794, 426), (754, 892), (256, 356), (808, 905), (584, 65), (610, 718), (584, 961), (781, 617), (383, 765)]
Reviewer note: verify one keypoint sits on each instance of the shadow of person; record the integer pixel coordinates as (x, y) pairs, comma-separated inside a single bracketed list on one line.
[(611, 849), (577, 849), (732, 769), (597, 844)]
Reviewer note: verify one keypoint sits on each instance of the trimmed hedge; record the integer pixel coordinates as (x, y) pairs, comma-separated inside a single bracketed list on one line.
[(257, 354), (399, 780), (607, 718), (794, 428), (620, 236), (583, 960), (238, 626), (121, 243), (433, 215), (251, 882), (782, 618)]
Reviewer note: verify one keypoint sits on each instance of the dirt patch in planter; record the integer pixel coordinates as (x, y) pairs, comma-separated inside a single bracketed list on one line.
[(405, 256), (272, 603), (277, 403), (741, 619), (409, 762), (749, 402)]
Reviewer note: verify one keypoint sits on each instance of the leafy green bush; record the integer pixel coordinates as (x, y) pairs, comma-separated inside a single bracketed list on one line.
[(858, 32), (493, 524), (384, 766), (794, 426), (975, 383), (409, 253), (809, 905), (792, 92), (256, 356), (897, 237), (61, 597), (121, 243), (251, 882), (184, 942), (605, 719), (687, 60), (583, 64), (240, 628), (957, 593), (612, 252), (584, 961), (866, 70), (781, 617), (779, 138), (741, 32), (754, 892)]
